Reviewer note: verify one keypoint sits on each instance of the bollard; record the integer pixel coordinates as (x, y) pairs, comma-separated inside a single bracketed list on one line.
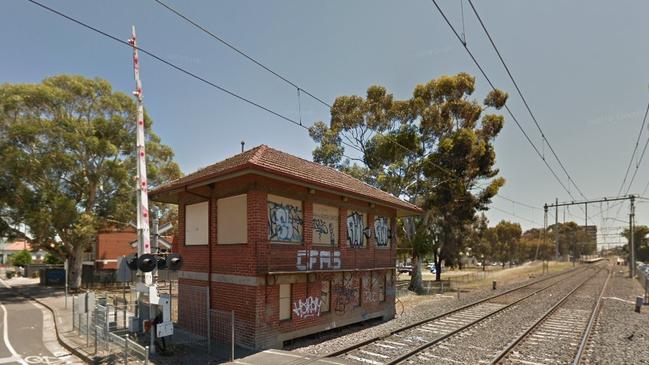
[(638, 303), (458, 292), (146, 355), (493, 285)]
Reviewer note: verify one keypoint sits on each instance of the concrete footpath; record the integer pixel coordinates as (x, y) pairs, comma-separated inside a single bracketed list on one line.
[(184, 347)]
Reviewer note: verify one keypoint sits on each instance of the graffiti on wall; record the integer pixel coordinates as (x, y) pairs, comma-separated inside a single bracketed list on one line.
[(346, 294), (356, 231), (310, 307), (317, 260), (382, 231), (285, 222), (323, 232)]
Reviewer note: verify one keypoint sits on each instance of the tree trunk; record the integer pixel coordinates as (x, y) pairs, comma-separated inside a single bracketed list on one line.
[(416, 284), (75, 265)]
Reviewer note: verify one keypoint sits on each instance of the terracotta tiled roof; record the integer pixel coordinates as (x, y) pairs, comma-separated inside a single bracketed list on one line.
[(16, 246), (280, 163)]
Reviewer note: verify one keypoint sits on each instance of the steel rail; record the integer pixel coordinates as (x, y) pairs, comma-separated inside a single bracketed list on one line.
[(469, 305), (545, 316), (442, 338), (591, 322)]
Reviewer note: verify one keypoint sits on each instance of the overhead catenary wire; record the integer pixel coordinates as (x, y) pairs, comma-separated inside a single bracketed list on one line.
[(295, 85), (525, 103), (511, 114), (229, 92), (635, 149)]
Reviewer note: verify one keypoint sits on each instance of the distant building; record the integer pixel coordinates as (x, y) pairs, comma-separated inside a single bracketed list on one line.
[(11, 247), (291, 246)]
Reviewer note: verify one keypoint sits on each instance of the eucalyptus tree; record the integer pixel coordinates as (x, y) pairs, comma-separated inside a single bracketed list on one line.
[(434, 149), (67, 152)]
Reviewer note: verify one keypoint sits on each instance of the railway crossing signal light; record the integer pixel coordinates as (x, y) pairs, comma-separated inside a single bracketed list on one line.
[(174, 261), (146, 262), (149, 262), (131, 261)]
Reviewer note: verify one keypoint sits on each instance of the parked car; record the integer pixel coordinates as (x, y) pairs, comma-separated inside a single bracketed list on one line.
[(404, 269)]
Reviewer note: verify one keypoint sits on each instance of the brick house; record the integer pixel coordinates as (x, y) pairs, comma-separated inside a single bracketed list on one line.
[(292, 246)]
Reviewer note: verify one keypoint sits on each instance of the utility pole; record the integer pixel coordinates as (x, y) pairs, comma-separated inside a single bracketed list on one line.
[(556, 227), (632, 237)]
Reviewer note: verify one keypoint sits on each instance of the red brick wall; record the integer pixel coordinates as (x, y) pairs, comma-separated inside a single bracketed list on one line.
[(112, 245), (256, 306)]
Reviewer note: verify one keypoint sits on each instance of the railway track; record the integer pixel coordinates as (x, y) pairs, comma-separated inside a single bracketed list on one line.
[(416, 338), (561, 335)]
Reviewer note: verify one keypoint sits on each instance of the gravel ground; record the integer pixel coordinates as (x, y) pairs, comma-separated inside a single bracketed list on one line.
[(483, 342), (620, 336), (425, 308)]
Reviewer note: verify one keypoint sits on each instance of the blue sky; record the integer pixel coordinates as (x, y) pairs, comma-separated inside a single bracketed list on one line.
[(582, 66)]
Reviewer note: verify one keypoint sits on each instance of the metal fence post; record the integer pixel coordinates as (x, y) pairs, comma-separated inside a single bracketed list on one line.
[(126, 350), (87, 327), (95, 321), (146, 356), (209, 320), (73, 313), (232, 340)]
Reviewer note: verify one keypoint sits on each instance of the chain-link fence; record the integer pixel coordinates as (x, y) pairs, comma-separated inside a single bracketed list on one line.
[(97, 321), (642, 273), (193, 313)]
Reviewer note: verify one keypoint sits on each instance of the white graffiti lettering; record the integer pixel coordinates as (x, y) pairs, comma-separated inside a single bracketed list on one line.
[(310, 307), (355, 230), (382, 231), (327, 260)]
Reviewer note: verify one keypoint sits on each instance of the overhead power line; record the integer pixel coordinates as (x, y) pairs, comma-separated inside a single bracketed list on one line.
[(283, 78), (518, 202), (176, 67), (511, 114), (515, 216), (527, 106), (239, 51)]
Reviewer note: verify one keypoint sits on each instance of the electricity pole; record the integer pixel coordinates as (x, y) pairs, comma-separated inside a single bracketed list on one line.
[(556, 226), (632, 238)]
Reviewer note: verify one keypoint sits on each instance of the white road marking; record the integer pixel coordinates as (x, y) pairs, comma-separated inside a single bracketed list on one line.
[(5, 335)]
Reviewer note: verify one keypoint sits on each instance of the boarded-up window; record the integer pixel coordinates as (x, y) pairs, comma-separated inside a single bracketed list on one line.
[(381, 279), (284, 301), (382, 231), (196, 224), (285, 220), (232, 219), (325, 295), (357, 231), (325, 225)]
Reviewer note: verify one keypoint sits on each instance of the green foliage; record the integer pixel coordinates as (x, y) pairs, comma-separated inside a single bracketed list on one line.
[(21, 258), (51, 259), (640, 241), (67, 152), (434, 149)]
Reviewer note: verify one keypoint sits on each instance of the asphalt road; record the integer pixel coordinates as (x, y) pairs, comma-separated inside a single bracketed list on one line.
[(26, 339)]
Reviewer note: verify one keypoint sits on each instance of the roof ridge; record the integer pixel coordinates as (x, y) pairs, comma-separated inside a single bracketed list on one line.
[(334, 170), (261, 149)]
